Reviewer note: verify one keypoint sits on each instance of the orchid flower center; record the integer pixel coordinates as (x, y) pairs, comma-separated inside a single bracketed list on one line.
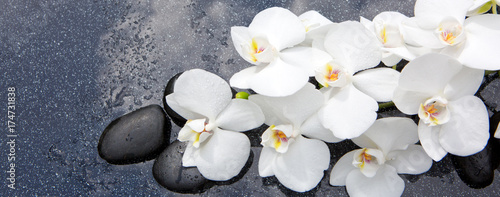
[(368, 161), (450, 31), (260, 50), (388, 34), (332, 74), (195, 131), (434, 111), (279, 137)]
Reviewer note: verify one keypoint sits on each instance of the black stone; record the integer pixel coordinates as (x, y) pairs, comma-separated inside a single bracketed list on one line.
[(477, 171), (135, 137), (169, 172)]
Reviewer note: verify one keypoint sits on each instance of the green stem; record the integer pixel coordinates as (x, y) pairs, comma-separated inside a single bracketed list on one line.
[(487, 72), (385, 105), (494, 7)]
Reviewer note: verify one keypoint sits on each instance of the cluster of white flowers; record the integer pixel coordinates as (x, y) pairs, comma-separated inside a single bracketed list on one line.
[(447, 53)]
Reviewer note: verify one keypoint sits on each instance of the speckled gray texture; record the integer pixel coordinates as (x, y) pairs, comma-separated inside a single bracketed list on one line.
[(77, 65)]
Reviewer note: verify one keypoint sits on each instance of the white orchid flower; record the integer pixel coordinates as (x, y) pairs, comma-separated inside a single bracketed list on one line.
[(385, 26), (441, 91), (482, 6), (388, 149), (316, 25), (352, 89), (297, 162), (214, 122), (441, 27), (268, 42)]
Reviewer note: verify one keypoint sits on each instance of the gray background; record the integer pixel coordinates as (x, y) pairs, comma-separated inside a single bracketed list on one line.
[(77, 65)]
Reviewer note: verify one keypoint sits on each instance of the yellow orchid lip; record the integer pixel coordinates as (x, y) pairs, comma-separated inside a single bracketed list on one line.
[(450, 31), (332, 74), (278, 137), (434, 111), (195, 131), (383, 35), (448, 37), (256, 49), (368, 161)]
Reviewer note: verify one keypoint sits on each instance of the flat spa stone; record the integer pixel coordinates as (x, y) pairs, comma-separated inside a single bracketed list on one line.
[(135, 137), (477, 171), (169, 172)]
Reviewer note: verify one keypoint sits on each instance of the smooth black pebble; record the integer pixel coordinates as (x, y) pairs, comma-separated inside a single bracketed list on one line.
[(169, 172), (135, 137), (477, 171)]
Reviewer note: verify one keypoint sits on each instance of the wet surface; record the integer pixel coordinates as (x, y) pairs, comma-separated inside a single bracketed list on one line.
[(78, 65)]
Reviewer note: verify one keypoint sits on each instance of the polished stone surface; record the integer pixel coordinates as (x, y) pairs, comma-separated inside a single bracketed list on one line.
[(78, 65)]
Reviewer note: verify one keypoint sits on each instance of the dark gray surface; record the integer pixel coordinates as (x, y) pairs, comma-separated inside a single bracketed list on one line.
[(77, 65)]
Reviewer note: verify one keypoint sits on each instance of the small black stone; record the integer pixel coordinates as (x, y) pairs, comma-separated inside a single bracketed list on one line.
[(135, 137), (477, 171), (169, 172)]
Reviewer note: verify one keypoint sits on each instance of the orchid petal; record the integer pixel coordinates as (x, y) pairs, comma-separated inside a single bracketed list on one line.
[(482, 36), (174, 105), (465, 82), (389, 134), (379, 83), (390, 59), (402, 52), (413, 160), (354, 45), (241, 38), (342, 168), (313, 128), (305, 57), (293, 109), (434, 11), (385, 183), (429, 139), (414, 35), (367, 23), (386, 27), (202, 92), (282, 28), (213, 161), (409, 102), (349, 113), (240, 115), (313, 20), (242, 78), (302, 167), (429, 73), (467, 132), (266, 161), (279, 79), (190, 155), (316, 37)]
